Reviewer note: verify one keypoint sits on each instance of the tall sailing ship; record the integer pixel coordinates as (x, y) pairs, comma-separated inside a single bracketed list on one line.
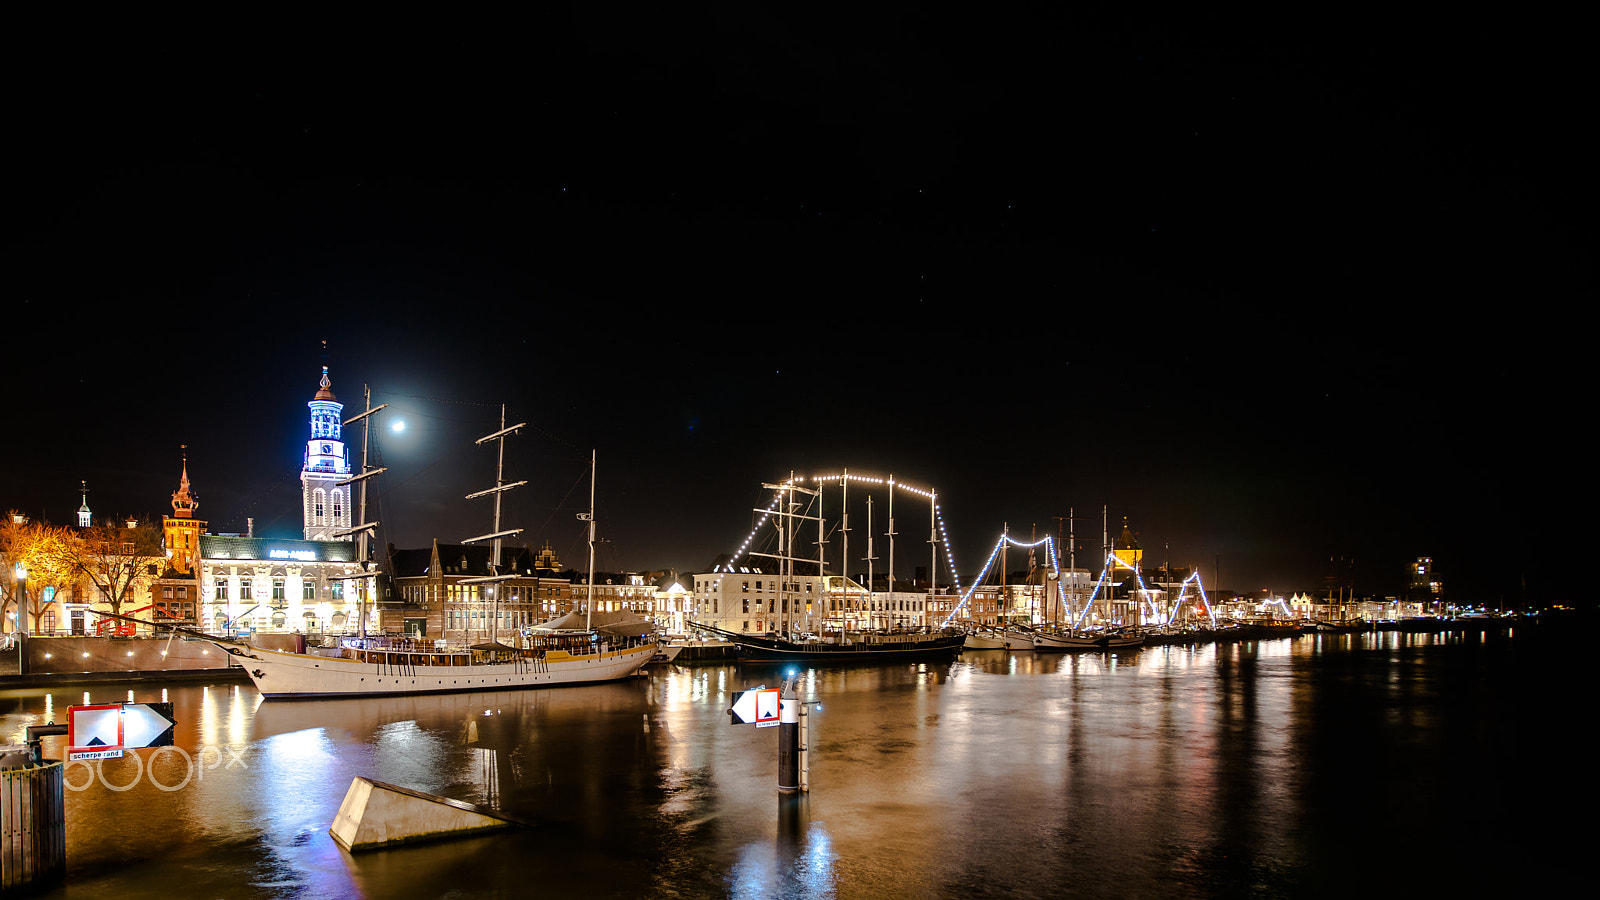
[(573, 653), (808, 637)]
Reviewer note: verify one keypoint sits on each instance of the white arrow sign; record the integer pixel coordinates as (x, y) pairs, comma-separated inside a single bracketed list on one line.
[(743, 711), (759, 706), (147, 725)]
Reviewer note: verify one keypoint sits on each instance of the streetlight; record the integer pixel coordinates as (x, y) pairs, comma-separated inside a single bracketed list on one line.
[(22, 629)]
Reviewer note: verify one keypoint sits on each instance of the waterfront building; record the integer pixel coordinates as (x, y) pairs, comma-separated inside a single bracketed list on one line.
[(751, 600), (1424, 585), (671, 605), (437, 584), (250, 584)]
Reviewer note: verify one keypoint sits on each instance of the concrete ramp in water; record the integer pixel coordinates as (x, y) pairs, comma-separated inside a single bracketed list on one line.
[(378, 814)]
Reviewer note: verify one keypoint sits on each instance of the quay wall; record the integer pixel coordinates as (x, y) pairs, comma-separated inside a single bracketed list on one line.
[(85, 655)]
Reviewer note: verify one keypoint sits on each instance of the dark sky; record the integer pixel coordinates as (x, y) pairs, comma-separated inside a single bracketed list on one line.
[(1273, 290)]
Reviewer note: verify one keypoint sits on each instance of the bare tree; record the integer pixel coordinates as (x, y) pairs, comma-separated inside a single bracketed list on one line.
[(115, 556)]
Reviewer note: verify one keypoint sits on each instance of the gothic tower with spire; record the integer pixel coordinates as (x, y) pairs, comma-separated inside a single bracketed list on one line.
[(181, 531), (326, 502)]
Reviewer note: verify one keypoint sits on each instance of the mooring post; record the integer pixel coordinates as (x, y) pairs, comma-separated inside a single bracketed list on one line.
[(788, 737)]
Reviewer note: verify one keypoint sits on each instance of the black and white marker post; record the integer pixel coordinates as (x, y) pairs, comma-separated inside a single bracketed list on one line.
[(788, 737), (766, 707)]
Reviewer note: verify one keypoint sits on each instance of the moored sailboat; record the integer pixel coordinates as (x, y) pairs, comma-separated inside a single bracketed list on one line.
[(366, 666)]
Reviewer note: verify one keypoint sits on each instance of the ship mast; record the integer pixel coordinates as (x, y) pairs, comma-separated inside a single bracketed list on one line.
[(926, 619), (787, 529), (363, 529), (844, 554), (869, 559), (588, 621), (494, 577), (888, 600)]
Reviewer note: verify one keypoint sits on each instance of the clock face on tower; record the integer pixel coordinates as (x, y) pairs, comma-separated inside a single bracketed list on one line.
[(327, 448)]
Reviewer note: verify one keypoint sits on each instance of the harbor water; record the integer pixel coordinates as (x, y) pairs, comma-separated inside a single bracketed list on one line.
[(1333, 765)]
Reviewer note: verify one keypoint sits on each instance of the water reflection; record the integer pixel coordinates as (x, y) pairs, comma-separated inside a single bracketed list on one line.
[(1231, 769)]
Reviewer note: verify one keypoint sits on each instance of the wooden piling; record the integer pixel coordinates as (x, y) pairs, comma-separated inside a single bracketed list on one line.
[(33, 827)]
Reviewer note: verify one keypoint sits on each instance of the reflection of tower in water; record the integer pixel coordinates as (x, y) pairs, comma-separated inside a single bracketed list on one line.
[(492, 736)]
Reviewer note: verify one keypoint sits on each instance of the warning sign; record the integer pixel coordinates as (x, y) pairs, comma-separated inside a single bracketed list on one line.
[(94, 732)]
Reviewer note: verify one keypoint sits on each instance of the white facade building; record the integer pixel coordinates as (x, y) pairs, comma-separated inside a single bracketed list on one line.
[(751, 600), (277, 585)]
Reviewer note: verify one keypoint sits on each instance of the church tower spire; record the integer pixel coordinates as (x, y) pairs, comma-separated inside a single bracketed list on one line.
[(181, 531), (85, 517), (326, 503)]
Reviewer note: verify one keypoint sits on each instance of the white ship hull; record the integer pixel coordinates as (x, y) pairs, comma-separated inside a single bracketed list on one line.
[(278, 674)]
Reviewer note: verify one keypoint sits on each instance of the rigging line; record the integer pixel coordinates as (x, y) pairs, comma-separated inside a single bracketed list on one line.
[(456, 402)]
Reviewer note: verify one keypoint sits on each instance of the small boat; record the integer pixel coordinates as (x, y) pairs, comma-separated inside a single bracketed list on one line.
[(863, 647), (985, 639), (1019, 637), (1068, 641), (666, 653)]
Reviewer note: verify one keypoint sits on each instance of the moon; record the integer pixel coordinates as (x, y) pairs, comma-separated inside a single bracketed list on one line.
[(399, 425)]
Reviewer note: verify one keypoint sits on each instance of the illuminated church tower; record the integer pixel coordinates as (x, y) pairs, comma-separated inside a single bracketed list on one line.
[(181, 530), (327, 504), (1129, 554)]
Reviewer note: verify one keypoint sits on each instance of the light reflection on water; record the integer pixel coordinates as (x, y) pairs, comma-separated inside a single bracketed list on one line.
[(1218, 770)]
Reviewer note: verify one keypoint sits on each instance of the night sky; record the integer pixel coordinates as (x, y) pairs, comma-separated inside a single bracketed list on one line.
[(1273, 290)]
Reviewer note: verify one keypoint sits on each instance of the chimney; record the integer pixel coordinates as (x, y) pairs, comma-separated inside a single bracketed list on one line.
[(250, 527)]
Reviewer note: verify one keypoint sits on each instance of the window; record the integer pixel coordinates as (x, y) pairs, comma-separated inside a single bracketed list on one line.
[(245, 592), (308, 589), (222, 590), (277, 588), (337, 504), (338, 590)]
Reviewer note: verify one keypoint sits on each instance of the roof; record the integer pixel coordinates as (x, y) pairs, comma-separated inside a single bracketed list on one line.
[(460, 560), (216, 546)]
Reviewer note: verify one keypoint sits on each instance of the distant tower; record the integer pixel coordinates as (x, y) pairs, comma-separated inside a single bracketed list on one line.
[(85, 518), (327, 505), (1127, 548), (1425, 584), (547, 559), (182, 530)]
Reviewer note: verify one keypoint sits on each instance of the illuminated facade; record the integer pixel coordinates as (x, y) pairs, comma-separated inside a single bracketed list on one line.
[(435, 586), (325, 502), (1425, 584), (250, 584), (750, 600)]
